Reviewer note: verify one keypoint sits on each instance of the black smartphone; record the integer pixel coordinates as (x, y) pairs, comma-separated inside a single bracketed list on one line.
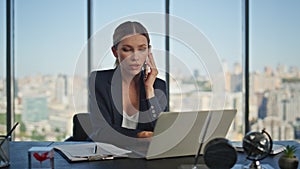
[(146, 69)]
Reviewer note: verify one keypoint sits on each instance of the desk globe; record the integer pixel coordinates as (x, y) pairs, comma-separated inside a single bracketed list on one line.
[(257, 146)]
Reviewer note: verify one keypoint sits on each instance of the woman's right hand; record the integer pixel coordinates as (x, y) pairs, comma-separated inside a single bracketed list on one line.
[(145, 134)]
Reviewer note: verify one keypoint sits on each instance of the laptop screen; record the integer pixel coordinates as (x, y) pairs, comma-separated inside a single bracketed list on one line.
[(180, 133)]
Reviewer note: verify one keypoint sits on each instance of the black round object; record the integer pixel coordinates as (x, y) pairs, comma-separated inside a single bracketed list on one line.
[(219, 153)]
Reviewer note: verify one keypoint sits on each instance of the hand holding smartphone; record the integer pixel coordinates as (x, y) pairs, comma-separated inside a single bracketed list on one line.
[(150, 73)]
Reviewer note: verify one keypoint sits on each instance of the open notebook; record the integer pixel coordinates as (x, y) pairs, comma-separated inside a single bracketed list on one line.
[(90, 151)]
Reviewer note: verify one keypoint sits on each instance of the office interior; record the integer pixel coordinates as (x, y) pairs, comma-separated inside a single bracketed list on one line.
[(48, 48)]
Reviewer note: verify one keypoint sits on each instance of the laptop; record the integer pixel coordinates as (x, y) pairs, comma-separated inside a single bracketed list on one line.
[(180, 133)]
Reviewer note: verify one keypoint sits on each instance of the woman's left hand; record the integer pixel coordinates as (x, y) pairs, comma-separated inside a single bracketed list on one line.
[(150, 76), (145, 134)]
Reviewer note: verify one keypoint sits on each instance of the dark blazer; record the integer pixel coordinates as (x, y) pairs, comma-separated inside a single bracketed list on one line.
[(105, 104)]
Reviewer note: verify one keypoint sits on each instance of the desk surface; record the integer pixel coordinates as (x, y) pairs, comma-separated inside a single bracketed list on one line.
[(18, 155)]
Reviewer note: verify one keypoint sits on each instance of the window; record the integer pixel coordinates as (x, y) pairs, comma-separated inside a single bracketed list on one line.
[(51, 65), (274, 74), (2, 71), (107, 16), (49, 36), (194, 75)]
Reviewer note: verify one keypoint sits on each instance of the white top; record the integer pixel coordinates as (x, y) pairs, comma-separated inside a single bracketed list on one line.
[(130, 122)]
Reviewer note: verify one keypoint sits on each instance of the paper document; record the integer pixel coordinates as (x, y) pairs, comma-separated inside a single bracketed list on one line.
[(87, 151)]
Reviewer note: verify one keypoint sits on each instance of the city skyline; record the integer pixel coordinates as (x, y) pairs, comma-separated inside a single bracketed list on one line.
[(48, 99)]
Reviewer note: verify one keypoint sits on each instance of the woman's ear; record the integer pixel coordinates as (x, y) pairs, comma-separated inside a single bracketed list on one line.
[(114, 51)]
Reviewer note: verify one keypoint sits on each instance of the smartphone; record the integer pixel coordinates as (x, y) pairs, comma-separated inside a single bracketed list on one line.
[(146, 69)]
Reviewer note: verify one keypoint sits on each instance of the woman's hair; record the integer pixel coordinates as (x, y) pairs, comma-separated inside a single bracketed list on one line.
[(128, 28)]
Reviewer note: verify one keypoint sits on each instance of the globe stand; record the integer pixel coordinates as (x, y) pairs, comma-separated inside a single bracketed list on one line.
[(257, 165)]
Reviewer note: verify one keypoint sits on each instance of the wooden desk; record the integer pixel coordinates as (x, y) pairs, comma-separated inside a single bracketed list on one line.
[(18, 156)]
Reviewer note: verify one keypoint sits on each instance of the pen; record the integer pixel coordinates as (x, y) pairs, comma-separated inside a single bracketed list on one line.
[(95, 149), (9, 133)]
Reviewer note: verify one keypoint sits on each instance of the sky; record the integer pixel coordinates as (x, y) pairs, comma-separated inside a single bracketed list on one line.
[(50, 35)]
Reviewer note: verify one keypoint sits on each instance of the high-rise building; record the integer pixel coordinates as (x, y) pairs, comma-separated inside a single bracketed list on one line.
[(237, 69), (61, 89)]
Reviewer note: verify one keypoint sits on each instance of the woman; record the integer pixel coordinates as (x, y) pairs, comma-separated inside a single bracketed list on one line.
[(127, 100)]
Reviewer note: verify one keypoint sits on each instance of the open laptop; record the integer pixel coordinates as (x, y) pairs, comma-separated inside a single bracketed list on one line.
[(180, 133)]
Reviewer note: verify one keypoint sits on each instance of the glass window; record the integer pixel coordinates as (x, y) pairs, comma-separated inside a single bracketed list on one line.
[(49, 36), (107, 16), (274, 74), (206, 54), (3, 68)]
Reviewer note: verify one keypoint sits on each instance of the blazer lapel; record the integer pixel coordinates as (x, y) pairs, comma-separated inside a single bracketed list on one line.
[(115, 90)]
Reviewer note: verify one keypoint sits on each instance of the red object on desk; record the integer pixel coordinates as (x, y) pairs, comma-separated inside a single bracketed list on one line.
[(41, 157)]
